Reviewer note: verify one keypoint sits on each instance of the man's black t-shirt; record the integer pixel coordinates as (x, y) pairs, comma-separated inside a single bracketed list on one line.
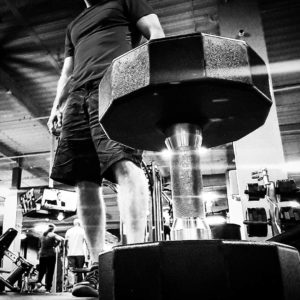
[(101, 33)]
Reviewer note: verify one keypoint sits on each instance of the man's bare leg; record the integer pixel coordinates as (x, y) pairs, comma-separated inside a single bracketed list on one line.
[(91, 212), (133, 197)]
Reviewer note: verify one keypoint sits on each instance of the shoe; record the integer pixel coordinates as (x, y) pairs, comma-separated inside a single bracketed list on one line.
[(89, 286), (47, 292), (38, 285)]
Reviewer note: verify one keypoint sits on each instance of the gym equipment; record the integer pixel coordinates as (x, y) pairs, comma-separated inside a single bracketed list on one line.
[(211, 269), (155, 219), (227, 231), (155, 228), (185, 92), (255, 191), (79, 271), (2, 286), (288, 195), (23, 266), (257, 220), (290, 237), (289, 217), (287, 190), (282, 197)]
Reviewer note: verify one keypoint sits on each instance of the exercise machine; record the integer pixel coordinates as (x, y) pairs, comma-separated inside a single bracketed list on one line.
[(23, 268), (283, 210)]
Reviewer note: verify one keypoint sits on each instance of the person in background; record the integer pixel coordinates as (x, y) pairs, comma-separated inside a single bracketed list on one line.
[(104, 30), (75, 244), (60, 201), (167, 230), (47, 257)]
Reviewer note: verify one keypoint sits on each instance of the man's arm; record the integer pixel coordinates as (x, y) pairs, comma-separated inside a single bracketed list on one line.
[(66, 246), (150, 27), (67, 237), (59, 240), (61, 94), (87, 247)]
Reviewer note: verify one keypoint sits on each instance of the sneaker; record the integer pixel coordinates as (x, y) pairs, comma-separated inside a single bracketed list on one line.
[(89, 286), (47, 292), (38, 286)]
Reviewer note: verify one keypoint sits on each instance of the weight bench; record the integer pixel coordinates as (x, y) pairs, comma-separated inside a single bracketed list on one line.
[(23, 267)]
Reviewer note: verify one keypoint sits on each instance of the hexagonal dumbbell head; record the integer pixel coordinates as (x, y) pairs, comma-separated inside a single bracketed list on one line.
[(220, 84), (215, 269)]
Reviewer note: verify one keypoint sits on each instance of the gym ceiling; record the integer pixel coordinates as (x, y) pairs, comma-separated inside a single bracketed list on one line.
[(31, 56)]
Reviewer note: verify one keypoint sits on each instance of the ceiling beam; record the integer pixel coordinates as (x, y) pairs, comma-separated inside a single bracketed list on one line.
[(290, 129), (20, 96), (8, 153), (35, 37)]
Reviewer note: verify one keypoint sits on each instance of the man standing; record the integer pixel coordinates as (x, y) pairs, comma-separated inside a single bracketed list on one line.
[(75, 244), (103, 31), (47, 256)]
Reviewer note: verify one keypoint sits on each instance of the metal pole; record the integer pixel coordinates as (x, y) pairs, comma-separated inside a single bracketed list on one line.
[(156, 204), (151, 213), (52, 146), (160, 224)]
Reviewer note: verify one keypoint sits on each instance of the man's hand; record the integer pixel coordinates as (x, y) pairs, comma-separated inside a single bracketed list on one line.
[(64, 83), (55, 121), (150, 27)]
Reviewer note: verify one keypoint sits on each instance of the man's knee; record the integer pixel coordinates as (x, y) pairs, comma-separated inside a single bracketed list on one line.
[(87, 186), (89, 195), (126, 169)]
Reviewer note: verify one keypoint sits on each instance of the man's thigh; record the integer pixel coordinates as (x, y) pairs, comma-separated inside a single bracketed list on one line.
[(76, 159), (80, 259), (72, 261), (76, 261), (109, 151)]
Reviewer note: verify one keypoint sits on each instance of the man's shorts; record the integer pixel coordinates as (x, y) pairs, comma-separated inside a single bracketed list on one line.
[(84, 152)]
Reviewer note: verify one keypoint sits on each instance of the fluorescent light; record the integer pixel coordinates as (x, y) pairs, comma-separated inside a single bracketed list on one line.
[(23, 236), (209, 196), (203, 150), (166, 154), (60, 216), (292, 166), (42, 227), (215, 220)]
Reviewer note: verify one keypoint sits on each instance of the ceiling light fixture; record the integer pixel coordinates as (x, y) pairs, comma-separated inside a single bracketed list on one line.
[(60, 216)]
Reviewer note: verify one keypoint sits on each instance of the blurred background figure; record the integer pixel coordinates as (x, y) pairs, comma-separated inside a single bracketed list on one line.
[(47, 257), (167, 230), (76, 248)]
